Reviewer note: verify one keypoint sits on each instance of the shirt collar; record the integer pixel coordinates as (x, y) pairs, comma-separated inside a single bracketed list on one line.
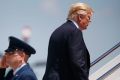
[(75, 24), (19, 68)]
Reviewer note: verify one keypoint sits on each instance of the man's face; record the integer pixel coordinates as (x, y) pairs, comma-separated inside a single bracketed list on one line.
[(13, 58), (84, 22)]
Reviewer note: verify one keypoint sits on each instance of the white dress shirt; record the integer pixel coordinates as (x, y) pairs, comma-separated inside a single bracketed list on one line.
[(75, 24)]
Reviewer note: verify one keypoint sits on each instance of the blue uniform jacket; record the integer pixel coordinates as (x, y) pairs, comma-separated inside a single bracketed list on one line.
[(25, 73)]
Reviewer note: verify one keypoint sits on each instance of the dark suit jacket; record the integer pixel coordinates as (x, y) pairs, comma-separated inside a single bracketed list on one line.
[(2, 73), (25, 73), (68, 57), (9, 75)]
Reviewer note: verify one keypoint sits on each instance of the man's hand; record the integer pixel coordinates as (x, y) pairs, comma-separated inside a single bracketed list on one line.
[(3, 62)]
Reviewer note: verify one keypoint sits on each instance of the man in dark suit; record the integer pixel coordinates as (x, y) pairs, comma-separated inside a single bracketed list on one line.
[(16, 57), (68, 57)]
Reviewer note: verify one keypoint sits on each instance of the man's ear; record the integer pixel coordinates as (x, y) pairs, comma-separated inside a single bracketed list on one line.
[(79, 17), (22, 54)]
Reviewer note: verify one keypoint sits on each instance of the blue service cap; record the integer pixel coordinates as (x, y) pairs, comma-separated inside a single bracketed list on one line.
[(17, 44)]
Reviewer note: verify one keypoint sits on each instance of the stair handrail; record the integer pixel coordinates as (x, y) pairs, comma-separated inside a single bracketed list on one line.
[(105, 54)]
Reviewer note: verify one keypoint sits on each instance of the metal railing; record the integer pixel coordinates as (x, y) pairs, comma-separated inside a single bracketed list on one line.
[(109, 72), (105, 54)]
